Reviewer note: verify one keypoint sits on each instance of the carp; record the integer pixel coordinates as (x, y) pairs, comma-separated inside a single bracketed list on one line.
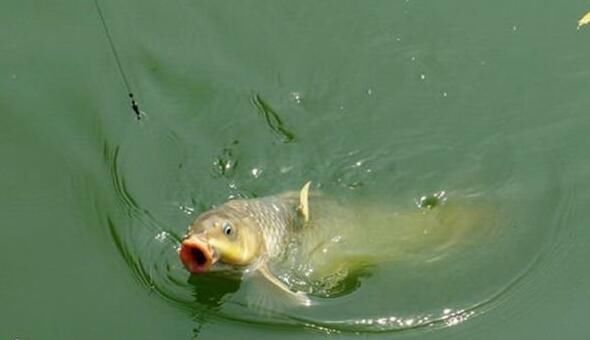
[(307, 244)]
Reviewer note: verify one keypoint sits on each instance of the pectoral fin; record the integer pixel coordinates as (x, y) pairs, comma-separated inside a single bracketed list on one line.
[(304, 202), (584, 20), (298, 297)]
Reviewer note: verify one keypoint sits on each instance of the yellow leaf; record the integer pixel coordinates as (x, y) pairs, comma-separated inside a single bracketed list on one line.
[(584, 20)]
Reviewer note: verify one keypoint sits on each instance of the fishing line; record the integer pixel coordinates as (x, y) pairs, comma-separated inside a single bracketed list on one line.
[(134, 104)]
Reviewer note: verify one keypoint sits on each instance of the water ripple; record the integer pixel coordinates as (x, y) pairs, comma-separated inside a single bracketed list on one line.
[(151, 251), (272, 118)]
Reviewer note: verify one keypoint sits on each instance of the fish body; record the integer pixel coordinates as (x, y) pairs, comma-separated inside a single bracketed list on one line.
[(308, 245)]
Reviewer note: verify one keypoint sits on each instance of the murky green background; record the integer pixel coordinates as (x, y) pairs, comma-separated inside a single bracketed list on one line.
[(374, 100)]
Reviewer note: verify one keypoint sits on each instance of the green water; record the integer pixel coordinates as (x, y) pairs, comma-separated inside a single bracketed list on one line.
[(376, 101)]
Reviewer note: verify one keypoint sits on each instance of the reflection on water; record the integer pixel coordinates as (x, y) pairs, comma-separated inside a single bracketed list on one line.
[(209, 290)]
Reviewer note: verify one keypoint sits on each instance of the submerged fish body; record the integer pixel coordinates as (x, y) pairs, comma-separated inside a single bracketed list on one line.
[(311, 245)]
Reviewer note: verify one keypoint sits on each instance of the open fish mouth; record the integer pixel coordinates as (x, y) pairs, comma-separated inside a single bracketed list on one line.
[(196, 255)]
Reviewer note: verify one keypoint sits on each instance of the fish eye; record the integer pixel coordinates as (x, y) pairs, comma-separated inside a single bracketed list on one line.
[(227, 229)]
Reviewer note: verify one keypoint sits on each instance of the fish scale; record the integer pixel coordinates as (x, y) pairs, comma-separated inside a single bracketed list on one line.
[(275, 216)]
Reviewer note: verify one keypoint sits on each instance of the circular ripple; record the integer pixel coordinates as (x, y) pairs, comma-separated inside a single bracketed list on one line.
[(410, 295)]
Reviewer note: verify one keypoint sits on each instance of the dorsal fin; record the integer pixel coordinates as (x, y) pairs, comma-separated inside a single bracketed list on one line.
[(304, 201)]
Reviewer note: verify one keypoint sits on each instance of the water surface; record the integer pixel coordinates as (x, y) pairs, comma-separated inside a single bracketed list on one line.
[(386, 102)]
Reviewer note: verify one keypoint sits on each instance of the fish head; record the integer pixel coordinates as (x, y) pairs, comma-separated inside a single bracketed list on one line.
[(223, 236)]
